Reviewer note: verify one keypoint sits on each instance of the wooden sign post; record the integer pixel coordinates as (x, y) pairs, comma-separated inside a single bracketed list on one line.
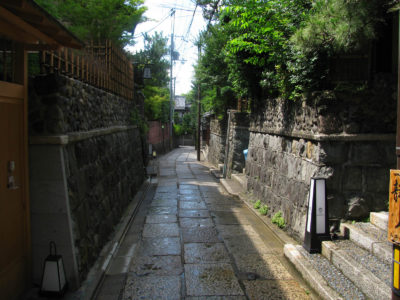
[(394, 207), (394, 229)]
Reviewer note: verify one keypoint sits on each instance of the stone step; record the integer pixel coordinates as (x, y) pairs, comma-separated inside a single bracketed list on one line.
[(241, 179), (369, 273), (369, 237), (326, 280), (379, 219), (231, 186)]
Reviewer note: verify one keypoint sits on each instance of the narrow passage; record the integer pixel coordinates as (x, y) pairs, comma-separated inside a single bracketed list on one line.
[(194, 241)]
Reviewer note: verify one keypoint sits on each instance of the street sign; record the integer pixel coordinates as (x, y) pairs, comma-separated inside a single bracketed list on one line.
[(394, 207)]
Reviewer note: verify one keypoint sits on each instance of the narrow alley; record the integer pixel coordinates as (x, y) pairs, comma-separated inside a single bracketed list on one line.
[(192, 240)]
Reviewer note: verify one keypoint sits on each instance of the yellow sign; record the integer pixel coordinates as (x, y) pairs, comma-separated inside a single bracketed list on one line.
[(394, 207)]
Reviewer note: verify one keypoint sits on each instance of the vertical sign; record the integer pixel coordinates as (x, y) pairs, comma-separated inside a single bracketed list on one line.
[(310, 206), (320, 210), (394, 207)]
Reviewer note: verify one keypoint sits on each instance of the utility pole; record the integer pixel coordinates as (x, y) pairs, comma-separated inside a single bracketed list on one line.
[(171, 100), (198, 108)]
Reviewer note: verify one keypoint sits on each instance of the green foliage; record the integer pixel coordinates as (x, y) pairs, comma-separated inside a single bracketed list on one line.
[(178, 129), (279, 48), (278, 220), (257, 204), (156, 103), (340, 25), (157, 96), (98, 20), (264, 210), (138, 120), (154, 55)]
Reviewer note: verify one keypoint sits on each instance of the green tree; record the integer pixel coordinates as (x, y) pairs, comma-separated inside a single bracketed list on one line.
[(282, 48), (156, 90), (98, 20)]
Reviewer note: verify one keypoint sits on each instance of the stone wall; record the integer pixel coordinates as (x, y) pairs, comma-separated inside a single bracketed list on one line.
[(99, 158), (346, 138), (216, 148), (238, 141)]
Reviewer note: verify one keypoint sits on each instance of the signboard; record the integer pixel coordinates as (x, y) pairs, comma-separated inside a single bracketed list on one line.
[(394, 207)]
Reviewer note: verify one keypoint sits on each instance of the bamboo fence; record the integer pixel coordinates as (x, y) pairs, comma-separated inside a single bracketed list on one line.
[(104, 66)]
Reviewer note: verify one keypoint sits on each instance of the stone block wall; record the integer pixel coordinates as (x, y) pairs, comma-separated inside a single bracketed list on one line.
[(216, 148), (348, 139), (100, 158), (238, 141)]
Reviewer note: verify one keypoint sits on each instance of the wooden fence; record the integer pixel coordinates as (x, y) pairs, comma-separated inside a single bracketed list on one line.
[(104, 66)]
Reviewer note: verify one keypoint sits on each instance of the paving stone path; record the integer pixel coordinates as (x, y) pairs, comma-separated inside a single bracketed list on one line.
[(191, 240)]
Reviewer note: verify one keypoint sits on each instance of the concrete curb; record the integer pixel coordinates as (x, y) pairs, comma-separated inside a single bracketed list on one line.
[(314, 279), (365, 280), (380, 219)]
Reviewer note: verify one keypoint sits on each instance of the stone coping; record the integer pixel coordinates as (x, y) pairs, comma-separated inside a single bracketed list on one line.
[(73, 137), (343, 137)]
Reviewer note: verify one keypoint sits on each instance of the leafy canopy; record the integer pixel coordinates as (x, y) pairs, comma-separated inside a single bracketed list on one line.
[(280, 48), (156, 91), (98, 20)]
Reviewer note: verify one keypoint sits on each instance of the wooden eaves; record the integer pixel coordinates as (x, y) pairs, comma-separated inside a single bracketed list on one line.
[(26, 22)]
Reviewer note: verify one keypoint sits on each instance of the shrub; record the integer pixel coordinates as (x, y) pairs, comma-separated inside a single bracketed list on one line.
[(264, 210), (279, 220), (257, 205)]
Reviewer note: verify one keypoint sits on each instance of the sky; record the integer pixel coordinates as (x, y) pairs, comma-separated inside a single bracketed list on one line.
[(187, 27)]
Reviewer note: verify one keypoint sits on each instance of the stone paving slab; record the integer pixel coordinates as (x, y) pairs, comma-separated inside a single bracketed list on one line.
[(226, 207), (190, 192), (194, 213), (200, 235), (193, 198), (192, 205), (236, 230), (165, 189), (156, 265), (165, 202), (263, 266), (188, 187), (161, 230), (217, 298), (205, 253), (274, 289), (161, 246), (155, 219), (163, 210), (229, 218), (246, 245), (211, 280), (157, 287), (195, 222)]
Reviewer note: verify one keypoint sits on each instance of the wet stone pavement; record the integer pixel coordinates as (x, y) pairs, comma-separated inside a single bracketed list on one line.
[(191, 240)]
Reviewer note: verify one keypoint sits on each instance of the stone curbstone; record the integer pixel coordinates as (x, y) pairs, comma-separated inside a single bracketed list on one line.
[(314, 279)]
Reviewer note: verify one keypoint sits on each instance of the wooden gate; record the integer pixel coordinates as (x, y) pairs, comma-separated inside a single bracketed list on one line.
[(14, 206)]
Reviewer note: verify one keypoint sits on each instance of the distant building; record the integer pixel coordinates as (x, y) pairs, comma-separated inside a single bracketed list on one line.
[(181, 106)]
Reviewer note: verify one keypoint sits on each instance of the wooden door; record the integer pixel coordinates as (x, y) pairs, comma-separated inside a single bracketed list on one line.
[(14, 208)]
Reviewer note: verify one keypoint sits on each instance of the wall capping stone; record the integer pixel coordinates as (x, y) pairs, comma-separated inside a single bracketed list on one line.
[(73, 137), (343, 137)]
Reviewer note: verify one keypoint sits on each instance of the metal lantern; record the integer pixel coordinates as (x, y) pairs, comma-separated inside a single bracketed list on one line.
[(54, 281), (147, 72), (317, 228)]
